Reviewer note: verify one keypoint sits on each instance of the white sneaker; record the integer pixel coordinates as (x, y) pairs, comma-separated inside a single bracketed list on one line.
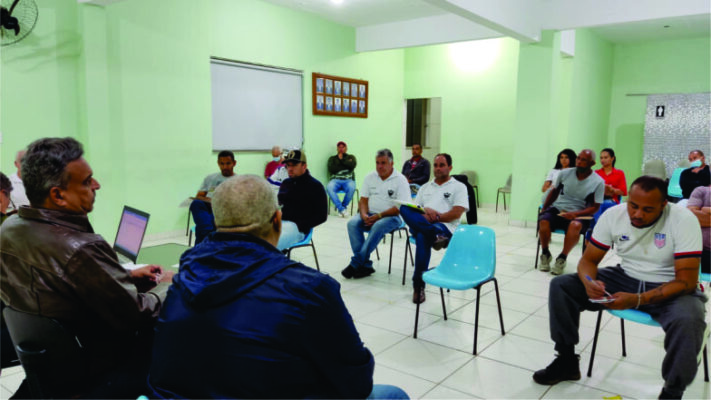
[(343, 214), (559, 266), (545, 264)]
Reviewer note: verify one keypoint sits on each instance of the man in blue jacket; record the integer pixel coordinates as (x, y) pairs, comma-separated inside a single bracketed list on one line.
[(243, 321)]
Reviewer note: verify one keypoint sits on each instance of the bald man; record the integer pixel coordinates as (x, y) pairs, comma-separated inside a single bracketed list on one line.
[(575, 196)]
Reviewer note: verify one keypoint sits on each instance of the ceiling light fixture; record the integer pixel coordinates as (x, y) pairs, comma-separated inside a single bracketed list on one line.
[(475, 56), (337, 2)]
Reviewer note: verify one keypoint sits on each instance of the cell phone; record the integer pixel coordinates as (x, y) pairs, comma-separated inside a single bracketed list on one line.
[(602, 300)]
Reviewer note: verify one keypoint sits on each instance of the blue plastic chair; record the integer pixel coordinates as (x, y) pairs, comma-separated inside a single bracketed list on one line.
[(639, 317), (469, 263), (674, 189), (308, 241), (408, 238), (355, 199)]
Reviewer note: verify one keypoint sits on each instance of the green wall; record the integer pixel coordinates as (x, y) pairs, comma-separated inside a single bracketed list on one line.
[(655, 67), (478, 105), (135, 89)]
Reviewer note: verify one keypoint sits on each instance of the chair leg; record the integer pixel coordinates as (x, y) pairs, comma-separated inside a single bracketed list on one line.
[(498, 302), (444, 309), (408, 248), (417, 318), (538, 250), (504, 196), (592, 354), (187, 225), (622, 329), (392, 239), (476, 318), (377, 253), (318, 268), (476, 189), (497, 201), (190, 239), (706, 363)]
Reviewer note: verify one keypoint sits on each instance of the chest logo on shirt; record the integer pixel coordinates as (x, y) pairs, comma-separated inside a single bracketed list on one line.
[(624, 238), (391, 193), (660, 239), (447, 194)]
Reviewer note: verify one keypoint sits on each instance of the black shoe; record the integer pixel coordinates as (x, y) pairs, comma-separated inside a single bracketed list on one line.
[(440, 243), (362, 272), (666, 395), (563, 368), (348, 272), (418, 296)]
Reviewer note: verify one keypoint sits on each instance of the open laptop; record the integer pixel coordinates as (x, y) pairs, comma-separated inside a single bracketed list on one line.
[(129, 237)]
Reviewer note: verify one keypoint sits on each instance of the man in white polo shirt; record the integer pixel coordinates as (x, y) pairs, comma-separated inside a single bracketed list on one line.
[(444, 200), (378, 215), (660, 246)]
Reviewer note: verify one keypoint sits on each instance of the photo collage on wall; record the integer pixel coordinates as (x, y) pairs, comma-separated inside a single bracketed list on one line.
[(338, 96)]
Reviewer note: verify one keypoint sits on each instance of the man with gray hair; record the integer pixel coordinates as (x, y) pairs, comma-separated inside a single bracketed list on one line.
[(378, 215), (274, 328), (575, 196), (18, 198)]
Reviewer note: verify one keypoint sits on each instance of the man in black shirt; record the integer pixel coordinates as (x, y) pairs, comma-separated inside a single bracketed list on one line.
[(416, 169), (697, 175), (303, 201)]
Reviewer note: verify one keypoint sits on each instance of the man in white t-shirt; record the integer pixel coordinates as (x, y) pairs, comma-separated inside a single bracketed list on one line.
[(378, 215), (660, 246), (444, 200), (18, 197), (575, 193)]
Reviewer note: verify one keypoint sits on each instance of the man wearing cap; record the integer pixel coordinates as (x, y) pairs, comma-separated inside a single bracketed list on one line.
[(201, 207), (379, 214), (340, 168), (303, 201)]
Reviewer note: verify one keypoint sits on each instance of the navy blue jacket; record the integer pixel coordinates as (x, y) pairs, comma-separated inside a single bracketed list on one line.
[(303, 201), (243, 321)]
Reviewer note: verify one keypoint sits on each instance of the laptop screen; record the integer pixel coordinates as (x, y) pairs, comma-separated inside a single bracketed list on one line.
[(131, 230)]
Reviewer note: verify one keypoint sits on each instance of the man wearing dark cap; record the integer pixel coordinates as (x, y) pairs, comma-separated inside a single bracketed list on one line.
[(340, 169), (303, 201)]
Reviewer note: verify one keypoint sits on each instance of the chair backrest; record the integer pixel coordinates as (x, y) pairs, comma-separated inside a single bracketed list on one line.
[(471, 253), (655, 168), (472, 213), (471, 175), (674, 189), (508, 182), (52, 357)]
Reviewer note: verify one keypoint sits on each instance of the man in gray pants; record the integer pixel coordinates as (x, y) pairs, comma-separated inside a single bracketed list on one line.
[(660, 247)]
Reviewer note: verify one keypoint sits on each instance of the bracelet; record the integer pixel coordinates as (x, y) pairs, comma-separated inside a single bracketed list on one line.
[(380, 216), (639, 300)]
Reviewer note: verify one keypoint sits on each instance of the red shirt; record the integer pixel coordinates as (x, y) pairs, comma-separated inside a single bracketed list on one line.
[(616, 179)]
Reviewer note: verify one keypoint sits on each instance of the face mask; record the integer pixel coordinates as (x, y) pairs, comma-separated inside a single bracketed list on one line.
[(696, 164), (276, 159)]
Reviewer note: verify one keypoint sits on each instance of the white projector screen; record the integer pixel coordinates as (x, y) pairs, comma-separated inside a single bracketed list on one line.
[(255, 107)]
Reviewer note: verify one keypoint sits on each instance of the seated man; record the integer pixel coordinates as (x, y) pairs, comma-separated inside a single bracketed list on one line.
[(444, 200), (378, 215), (416, 169), (274, 163), (700, 204), (200, 207), (270, 327), (576, 192), (54, 265), (697, 175), (340, 168), (303, 201), (660, 245), (18, 197), (5, 194)]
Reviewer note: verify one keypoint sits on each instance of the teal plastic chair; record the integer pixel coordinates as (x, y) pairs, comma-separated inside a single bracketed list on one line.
[(639, 317), (307, 242), (469, 263), (674, 189)]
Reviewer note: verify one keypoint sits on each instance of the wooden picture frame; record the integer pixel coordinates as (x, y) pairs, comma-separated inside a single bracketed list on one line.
[(338, 96)]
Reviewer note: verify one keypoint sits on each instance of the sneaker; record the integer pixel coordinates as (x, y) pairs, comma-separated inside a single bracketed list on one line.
[(441, 242), (561, 369), (343, 213), (545, 264), (559, 266), (418, 296), (666, 395), (348, 272), (362, 272)]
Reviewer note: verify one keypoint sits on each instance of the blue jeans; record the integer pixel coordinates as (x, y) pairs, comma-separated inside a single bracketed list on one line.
[(425, 234), (341, 185), (362, 246), (387, 392), (204, 220), (290, 235)]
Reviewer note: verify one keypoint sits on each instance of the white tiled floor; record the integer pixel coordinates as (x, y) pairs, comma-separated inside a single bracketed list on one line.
[(439, 364)]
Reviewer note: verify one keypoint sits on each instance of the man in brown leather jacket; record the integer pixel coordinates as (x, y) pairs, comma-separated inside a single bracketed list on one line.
[(53, 264)]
